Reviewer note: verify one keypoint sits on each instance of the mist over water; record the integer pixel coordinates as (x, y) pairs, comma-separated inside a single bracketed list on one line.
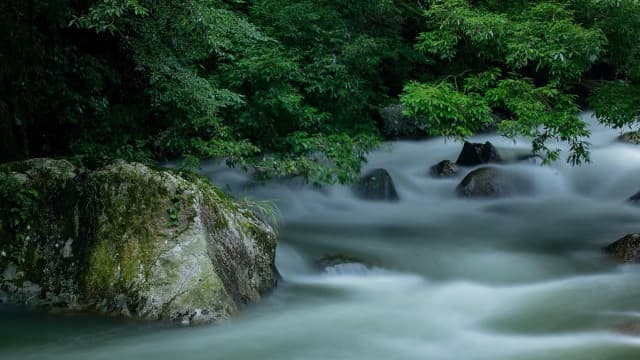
[(439, 277)]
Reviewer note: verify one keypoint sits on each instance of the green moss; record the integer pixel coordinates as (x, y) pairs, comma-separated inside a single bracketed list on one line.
[(19, 207), (263, 238), (98, 234), (45, 199), (132, 215)]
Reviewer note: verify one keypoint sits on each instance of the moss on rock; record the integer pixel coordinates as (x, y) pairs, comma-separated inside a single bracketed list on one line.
[(140, 242)]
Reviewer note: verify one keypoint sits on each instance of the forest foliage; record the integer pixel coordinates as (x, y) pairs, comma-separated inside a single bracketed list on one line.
[(295, 87)]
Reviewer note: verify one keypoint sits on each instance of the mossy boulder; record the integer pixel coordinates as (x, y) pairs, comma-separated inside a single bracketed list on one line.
[(130, 240)]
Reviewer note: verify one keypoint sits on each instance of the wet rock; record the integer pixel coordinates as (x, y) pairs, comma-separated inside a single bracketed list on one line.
[(336, 259), (626, 249), (130, 240), (632, 137), (122, 305), (634, 199), (347, 269), (343, 265), (397, 126), (491, 182), (473, 154), (376, 185), (444, 168)]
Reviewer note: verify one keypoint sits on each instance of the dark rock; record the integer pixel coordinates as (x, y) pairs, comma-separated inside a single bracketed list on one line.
[(397, 126), (376, 185), (632, 137), (635, 199), (444, 168), (493, 182), (626, 249), (473, 154)]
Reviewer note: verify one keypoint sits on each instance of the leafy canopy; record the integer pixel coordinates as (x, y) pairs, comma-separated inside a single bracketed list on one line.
[(294, 87)]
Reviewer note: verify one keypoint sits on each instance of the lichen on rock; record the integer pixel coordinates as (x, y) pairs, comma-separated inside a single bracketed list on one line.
[(131, 240)]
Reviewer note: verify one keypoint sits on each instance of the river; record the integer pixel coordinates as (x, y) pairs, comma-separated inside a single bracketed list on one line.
[(440, 277)]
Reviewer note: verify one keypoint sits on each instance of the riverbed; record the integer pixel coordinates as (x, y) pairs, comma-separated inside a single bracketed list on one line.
[(431, 276)]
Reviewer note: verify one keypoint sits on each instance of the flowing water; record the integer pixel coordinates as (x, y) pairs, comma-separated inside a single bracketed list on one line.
[(440, 277)]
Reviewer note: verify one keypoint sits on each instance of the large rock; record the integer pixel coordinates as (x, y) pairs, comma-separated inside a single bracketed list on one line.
[(473, 154), (395, 125), (444, 169), (376, 185), (493, 182), (127, 239), (626, 249)]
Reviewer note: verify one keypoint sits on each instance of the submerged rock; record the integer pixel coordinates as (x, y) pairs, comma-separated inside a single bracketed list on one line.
[(126, 239), (630, 329), (343, 265), (444, 168), (376, 185), (395, 125), (493, 182), (473, 154), (632, 137), (626, 249)]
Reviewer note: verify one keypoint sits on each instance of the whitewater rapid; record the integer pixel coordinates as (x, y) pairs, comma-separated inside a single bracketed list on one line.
[(439, 277)]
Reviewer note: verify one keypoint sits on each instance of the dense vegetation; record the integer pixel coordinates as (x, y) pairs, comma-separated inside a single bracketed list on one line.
[(295, 87)]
